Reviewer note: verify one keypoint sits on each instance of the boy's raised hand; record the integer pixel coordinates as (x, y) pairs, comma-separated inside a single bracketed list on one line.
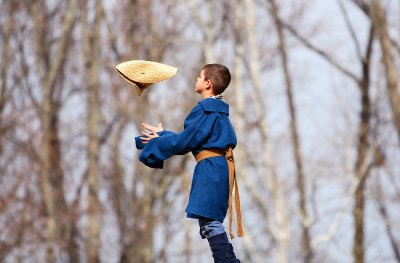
[(153, 132)]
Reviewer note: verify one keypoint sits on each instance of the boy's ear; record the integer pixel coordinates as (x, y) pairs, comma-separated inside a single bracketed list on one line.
[(209, 84)]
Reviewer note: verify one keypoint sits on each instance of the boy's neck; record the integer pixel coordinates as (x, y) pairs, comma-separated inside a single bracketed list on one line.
[(206, 94)]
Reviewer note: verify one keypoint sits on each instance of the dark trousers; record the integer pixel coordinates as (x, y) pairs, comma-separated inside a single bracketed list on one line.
[(222, 250)]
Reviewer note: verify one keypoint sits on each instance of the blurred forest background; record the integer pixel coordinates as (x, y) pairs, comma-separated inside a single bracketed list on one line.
[(315, 101)]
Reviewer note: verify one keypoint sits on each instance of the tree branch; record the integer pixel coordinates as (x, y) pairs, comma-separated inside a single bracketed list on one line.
[(320, 52)]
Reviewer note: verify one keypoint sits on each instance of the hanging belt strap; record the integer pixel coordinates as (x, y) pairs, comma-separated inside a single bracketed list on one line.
[(232, 182)]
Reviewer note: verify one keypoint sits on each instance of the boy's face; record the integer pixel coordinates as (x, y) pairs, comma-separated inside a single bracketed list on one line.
[(201, 83)]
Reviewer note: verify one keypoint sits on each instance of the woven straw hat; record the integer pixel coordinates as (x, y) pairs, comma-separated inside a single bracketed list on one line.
[(142, 73)]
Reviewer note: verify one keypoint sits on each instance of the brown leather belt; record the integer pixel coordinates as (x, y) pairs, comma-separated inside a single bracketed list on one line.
[(232, 182)]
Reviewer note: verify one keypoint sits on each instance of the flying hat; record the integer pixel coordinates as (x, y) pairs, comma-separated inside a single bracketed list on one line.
[(142, 73)]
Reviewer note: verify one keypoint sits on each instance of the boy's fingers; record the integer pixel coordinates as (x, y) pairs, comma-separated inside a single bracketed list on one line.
[(149, 128), (146, 136), (153, 129)]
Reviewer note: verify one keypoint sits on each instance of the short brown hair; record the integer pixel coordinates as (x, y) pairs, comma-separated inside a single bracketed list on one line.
[(219, 75)]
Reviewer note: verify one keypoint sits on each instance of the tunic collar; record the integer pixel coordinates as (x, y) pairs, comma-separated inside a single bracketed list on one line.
[(214, 105)]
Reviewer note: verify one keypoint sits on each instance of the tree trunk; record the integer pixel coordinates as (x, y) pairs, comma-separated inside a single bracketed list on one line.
[(305, 239), (389, 224), (206, 25), (239, 119), (363, 145), (91, 37), (392, 76), (51, 172), (5, 59), (280, 229)]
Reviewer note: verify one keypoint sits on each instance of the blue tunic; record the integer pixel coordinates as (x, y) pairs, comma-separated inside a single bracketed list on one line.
[(206, 127)]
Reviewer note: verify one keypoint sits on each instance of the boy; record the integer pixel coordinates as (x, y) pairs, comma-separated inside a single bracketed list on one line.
[(209, 135)]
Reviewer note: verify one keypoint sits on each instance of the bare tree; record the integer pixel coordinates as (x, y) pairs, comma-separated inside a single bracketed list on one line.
[(5, 58), (207, 27), (91, 47), (51, 174), (384, 213), (363, 145), (278, 225), (363, 131), (378, 19), (305, 222), (135, 210)]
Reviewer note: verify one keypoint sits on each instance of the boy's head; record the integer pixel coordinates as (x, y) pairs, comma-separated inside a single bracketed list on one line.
[(218, 75)]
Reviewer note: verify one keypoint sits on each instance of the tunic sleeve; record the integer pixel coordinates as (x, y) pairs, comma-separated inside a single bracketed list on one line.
[(196, 129)]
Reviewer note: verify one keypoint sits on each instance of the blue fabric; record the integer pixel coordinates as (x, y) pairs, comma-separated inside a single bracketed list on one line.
[(222, 250), (207, 126), (140, 145), (210, 228)]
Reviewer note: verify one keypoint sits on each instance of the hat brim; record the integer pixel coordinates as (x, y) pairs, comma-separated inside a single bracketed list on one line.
[(142, 73), (139, 86)]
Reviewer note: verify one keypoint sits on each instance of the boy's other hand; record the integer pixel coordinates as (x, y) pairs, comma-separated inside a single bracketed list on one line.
[(153, 129)]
